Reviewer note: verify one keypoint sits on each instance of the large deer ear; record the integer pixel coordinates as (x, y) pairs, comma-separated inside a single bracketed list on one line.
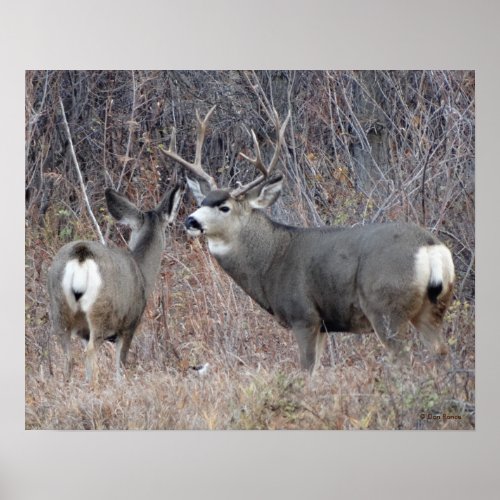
[(169, 205), (199, 189), (123, 210), (266, 194)]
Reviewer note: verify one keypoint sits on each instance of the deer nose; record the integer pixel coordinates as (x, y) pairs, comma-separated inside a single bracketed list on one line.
[(192, 223)]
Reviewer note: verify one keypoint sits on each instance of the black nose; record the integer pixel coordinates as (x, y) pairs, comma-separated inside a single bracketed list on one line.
[(192, 223)]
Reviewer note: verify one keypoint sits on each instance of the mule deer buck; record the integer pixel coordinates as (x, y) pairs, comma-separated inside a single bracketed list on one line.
[(377, 277), (100, 293)]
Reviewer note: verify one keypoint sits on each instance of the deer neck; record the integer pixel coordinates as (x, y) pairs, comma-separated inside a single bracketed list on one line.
[(248, 257), (147, 252)]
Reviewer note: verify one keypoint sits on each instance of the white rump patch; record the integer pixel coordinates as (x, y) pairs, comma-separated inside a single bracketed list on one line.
[(434, 266), (84, 278)]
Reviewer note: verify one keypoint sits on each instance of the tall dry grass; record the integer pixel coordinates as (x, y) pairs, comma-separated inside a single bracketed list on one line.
[(198, 315)]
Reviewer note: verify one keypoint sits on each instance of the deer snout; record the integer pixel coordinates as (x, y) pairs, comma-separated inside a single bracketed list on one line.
[(192, 225)]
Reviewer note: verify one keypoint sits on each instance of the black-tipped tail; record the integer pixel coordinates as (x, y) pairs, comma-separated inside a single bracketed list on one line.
[(433, 292)]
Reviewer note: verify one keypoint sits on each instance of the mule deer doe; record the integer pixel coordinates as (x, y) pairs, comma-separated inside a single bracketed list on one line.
[(100, 293), (375, 277)]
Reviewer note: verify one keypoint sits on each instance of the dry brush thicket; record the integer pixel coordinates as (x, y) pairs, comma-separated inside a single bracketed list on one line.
[(361, 147)]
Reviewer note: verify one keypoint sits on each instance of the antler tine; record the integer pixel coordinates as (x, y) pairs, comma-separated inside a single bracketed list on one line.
[(257, 161), (173, 140), (196, 168), (281, 136), (202, 126)]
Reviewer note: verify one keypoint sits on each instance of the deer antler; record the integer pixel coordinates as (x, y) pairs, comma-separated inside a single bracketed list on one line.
[(257, 161), (196, 167)]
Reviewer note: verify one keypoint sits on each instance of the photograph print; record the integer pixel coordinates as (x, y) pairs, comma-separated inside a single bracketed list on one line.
[(250, 250)]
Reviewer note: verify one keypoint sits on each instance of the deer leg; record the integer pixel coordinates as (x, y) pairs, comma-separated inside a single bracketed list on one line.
[(122, 347), (90, 360), (311, 342), (429, 323), (127, 340), (389, 328), (321, 338), (63, 334), (388, 323), (68, 362), (95, 340), (118, 355)]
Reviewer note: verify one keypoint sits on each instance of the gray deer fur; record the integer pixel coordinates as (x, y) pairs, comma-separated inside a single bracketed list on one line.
[(100, 293), (318, 280), (367, 278)]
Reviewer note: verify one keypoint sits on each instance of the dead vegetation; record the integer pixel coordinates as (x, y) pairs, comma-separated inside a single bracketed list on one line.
[(423, 122)]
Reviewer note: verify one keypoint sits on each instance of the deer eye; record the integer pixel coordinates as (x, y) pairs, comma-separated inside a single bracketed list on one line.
[(224, 209)]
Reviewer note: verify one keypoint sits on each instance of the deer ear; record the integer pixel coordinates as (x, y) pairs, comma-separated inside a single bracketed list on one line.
[(199, 189), (265, 195), (123, 210), (168, 207)]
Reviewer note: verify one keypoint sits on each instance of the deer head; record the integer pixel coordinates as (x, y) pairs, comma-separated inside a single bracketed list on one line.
[(223, 211)]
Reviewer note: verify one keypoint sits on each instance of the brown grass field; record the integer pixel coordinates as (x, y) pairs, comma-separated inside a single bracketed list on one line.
[(198, 315)]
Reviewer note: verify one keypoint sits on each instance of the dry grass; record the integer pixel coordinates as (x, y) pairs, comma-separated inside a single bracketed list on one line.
[(197, 315)]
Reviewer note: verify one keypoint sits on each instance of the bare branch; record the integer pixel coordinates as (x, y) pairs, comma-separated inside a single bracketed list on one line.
[(131, 123), (78, 171)]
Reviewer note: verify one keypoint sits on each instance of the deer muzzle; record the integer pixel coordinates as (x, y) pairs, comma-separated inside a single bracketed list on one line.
[(193, 226)]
